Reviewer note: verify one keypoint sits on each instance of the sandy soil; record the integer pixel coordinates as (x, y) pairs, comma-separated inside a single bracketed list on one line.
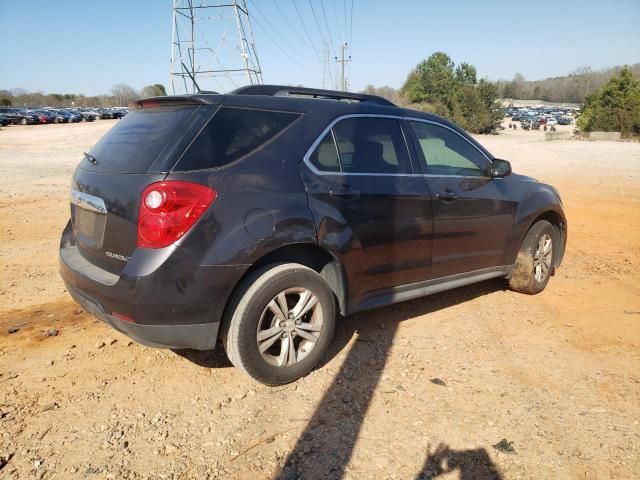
[(422, 389)]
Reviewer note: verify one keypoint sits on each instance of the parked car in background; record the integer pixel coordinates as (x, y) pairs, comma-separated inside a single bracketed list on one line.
[(45, 116), (4, 121), (17, 116)]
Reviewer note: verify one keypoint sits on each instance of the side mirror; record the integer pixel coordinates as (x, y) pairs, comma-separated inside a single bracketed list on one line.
[(500, 168)]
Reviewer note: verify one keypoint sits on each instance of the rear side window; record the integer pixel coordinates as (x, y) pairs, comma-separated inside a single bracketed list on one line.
[(325, 156), (231, 134), (372, 145), (145, 137)]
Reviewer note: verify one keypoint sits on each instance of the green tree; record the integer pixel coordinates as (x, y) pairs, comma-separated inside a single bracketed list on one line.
[(615, 107), (156, 90), (5, 102), (436, 85), (466, 74)]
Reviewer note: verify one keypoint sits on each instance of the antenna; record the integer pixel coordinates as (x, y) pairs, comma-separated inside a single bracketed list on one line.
[(212, 47)]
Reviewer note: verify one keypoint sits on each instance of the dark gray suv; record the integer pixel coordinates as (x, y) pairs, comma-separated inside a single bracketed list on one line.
[(257, 216)]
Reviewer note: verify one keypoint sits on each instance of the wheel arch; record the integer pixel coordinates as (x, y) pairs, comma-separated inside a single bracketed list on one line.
[(555, 216), (313, 256), (558, 220)]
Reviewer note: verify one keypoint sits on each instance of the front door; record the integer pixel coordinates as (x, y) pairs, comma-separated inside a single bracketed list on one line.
[(472, 215), (370, 209)]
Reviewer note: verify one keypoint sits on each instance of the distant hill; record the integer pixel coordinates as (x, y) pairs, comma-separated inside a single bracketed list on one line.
[(571, 88)]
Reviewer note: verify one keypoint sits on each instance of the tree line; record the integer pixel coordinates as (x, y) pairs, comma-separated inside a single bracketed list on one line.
[(615, 107), (119, 96), (572, 88), (610, 99)]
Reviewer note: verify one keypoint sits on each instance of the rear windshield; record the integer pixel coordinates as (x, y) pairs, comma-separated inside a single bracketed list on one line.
[(147, 139), (231, 134)]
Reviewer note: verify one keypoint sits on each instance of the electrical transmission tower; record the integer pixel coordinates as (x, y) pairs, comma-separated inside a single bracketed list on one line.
[(212, 47)]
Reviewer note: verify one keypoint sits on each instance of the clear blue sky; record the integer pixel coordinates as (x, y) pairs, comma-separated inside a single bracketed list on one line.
[(87, 46)]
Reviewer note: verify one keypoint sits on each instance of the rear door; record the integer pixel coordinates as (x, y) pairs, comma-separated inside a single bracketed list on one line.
[(108, 183), (473, 216), (369, 206)]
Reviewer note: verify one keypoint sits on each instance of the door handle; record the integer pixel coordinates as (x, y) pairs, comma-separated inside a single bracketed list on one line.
[(344, 193), (446, 195)]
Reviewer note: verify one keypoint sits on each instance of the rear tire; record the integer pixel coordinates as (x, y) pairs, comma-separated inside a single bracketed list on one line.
[(536, 259), (279, 323)]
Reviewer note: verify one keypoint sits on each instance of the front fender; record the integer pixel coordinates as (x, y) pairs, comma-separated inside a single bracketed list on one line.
[(541, 202)]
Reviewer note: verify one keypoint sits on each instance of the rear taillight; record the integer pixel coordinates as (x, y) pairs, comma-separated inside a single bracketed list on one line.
[(169, 209)]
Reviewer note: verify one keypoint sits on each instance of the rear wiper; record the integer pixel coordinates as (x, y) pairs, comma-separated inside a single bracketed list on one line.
[(91, 158)]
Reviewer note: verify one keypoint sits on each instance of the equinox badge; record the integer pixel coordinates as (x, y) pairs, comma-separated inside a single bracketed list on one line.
[(117, 256)]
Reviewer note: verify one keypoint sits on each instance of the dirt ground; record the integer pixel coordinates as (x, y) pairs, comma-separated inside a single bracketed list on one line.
[(478, 382)]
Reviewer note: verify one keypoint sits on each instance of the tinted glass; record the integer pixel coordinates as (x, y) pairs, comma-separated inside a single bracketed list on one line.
[(231, 134), (447, 153), (371, 145), (325, 156), (144, 136)]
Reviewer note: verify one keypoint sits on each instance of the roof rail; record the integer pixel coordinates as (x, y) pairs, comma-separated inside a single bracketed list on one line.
[(287, 91)]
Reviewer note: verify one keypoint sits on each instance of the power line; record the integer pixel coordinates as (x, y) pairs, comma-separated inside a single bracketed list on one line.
[(304, 26), (351, 24), (315, 18), (317, 23), (337, 19), (277, 44), (324, 14), (286, 18), (344, 9), (270, 25)]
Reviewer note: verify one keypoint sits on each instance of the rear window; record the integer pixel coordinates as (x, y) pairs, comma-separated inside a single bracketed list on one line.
[(231, 134), (147, 139)]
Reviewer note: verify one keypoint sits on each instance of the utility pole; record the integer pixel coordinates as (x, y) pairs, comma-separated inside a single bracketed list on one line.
[(205, 53), (342, 61)]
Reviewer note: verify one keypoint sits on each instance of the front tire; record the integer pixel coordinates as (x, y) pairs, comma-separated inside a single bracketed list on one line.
[(536, 259), (279, 323)]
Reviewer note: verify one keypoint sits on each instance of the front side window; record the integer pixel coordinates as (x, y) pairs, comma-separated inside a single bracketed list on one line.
[(371, 145), (447, 153), (231, 134)]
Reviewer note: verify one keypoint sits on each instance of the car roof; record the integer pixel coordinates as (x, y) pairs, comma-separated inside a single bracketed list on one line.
[(297, 99), (324, 105)]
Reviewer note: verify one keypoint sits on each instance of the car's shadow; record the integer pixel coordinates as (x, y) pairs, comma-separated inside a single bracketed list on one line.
[(471, 464), (325, 447)]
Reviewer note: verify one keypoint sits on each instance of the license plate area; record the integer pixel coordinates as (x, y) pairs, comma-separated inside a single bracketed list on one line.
[(88, 217)]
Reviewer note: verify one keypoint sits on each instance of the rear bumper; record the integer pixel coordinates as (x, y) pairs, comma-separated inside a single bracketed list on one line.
[(173, 301), (197, 336)]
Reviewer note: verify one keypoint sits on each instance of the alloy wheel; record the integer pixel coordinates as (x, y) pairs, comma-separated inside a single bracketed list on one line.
[(289, 327), (542, 258)]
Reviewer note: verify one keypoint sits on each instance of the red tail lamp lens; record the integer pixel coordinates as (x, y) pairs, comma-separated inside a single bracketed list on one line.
[(169, 209), (122, 316)]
